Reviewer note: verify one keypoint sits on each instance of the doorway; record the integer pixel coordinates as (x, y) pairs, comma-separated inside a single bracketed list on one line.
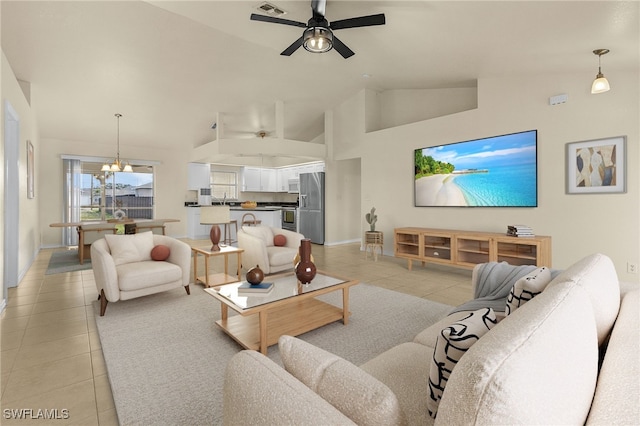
[(11, 197)]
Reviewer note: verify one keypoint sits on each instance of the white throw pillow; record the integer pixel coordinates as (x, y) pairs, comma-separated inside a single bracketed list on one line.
[(130, 248), (526, 288), (263, 232), (358, 395), (451, 344)]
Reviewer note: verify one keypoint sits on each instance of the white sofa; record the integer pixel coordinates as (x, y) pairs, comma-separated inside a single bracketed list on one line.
[(123, 267), (539, 365), (259, 248)]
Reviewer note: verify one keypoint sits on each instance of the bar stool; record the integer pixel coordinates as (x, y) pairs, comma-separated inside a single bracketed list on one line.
[(227, 232), (248, 222)]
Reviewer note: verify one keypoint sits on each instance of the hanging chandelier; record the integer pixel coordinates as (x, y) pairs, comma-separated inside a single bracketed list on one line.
[(117, 164)]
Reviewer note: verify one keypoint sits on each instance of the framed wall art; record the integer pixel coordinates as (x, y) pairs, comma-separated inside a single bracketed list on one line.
[(30, 171), (596, 166)]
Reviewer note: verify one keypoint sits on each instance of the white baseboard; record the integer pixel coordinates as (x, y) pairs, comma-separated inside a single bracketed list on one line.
[(51, 246), (339, 243)]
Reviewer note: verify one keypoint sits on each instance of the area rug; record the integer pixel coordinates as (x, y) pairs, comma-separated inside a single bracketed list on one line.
[(166, 357), (66, 261)]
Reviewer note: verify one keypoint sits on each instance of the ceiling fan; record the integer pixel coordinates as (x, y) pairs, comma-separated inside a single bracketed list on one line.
[(318, 35)]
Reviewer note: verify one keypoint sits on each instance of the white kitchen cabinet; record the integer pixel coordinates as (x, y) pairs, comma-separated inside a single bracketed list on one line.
[(306, 168), (268, 180), (251, 179), (198, 176), (282, 177), (195, 229), (259, 179), (295, 171), (256, 179)]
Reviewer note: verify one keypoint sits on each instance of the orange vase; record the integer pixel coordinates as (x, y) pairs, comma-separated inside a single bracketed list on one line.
[(305, 269)]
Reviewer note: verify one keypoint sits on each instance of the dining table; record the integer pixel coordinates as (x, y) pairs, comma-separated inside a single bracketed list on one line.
[(100, 227)]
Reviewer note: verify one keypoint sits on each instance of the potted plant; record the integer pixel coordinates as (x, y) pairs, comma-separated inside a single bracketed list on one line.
[(372, 236)]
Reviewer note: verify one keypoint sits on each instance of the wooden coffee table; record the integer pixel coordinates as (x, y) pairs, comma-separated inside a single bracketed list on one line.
[(290, 308)]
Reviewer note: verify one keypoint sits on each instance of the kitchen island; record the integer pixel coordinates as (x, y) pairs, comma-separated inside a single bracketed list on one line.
[(267, 215)]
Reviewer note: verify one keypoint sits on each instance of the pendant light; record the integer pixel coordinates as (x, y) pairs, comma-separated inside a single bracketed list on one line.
[(600, 84), (117, 164)]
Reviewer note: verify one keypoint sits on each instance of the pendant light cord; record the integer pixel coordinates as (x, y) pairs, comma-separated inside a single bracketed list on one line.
[(118, 138)]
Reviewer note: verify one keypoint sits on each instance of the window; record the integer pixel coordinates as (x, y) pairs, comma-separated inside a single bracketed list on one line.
[(130, 194), (224, 185), (91, 194)]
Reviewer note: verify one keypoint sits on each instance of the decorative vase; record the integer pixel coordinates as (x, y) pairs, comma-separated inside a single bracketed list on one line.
[(305, 269), (255, 275)]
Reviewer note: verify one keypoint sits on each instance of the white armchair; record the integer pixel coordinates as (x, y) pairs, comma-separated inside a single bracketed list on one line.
[(123, 267), (259, 248)]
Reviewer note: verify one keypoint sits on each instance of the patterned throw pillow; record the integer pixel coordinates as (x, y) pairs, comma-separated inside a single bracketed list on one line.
[(453, 341), (526, 288)]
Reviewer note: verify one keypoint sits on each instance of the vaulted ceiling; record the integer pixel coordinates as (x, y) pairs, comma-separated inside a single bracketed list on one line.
[(173, 68)]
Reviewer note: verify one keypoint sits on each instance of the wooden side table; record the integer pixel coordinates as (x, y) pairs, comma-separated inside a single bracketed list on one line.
[(373, 240), (216, 279)]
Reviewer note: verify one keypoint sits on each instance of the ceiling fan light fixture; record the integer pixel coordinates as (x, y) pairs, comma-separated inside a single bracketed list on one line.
[(600, 84), (317, 39)]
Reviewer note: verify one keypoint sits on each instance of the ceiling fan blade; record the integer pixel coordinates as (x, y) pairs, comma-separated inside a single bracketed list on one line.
[(293, 47), (342, 48), (361, 21), (256, 17), (318, 7)]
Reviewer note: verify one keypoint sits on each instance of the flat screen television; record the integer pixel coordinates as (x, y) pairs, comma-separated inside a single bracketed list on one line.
[(500, 171)]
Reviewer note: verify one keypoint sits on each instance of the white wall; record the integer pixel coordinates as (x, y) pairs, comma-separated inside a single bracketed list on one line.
[(579, 224), (400, 107), (342, 199), (29, 229)]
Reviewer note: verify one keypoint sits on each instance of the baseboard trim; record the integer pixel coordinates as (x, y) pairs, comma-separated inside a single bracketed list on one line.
[(340, 243)]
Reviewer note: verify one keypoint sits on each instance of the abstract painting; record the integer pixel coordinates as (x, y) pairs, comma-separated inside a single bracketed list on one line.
[(596, 166)]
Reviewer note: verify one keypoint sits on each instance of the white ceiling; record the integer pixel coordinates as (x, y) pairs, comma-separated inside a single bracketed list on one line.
[(171, 66)]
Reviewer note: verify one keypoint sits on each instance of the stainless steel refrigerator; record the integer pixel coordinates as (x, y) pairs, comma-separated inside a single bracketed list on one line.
[(311, 206)]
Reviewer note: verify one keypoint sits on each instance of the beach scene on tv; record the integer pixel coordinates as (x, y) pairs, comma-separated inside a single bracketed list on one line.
[(498, 171)]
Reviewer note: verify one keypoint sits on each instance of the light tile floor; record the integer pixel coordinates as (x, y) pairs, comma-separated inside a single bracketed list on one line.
[(51, 357)]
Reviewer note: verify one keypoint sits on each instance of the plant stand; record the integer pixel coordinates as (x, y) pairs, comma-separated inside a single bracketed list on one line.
[(373, 240)]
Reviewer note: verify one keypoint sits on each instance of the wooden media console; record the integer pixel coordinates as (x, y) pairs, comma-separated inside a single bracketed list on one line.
[(468, 248)]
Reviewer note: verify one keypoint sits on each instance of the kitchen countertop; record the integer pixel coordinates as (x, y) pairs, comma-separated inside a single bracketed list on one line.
[(259, 208)]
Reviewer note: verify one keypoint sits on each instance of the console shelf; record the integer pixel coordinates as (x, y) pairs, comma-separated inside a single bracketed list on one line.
[(468, 248)]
